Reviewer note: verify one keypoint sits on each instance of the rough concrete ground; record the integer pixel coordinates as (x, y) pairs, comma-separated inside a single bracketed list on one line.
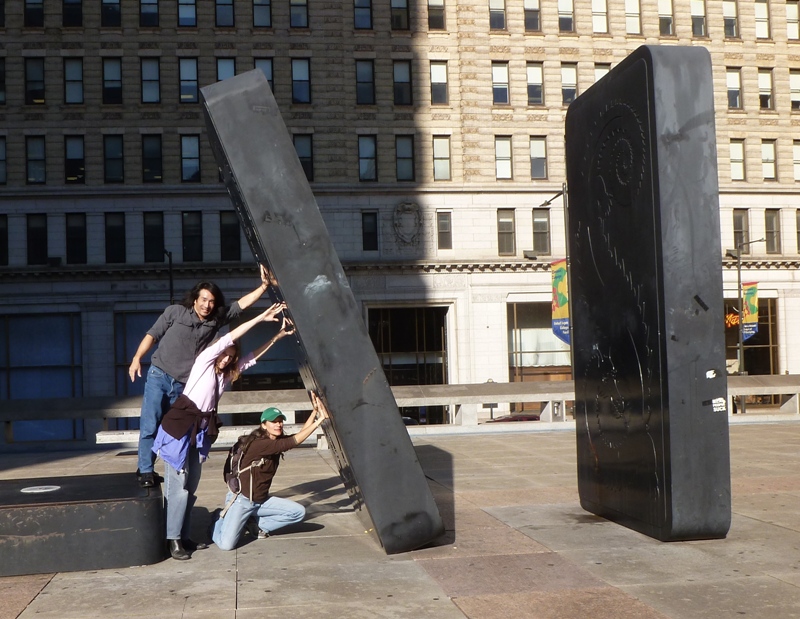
[(518, 545)]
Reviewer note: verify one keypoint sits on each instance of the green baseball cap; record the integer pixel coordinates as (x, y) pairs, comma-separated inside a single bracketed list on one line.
[(272, 414)]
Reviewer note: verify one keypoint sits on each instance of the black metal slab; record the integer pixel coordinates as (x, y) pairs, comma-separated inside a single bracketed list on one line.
[(287, 234), (87, 522), (646, 297)]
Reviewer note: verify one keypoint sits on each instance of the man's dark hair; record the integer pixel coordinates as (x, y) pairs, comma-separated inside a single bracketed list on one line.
[(191, 297)]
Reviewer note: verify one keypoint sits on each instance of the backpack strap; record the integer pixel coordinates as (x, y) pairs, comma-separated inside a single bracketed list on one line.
[(249, 468)]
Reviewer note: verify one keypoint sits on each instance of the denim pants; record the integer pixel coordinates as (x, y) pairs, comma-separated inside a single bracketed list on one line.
[(272, 514), (160, 392), (179, 495)]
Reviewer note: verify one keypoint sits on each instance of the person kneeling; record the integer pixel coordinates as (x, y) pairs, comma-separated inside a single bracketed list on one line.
[(263, 448)]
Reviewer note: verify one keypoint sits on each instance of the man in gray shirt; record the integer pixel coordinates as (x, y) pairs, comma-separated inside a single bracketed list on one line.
[(181, 332)]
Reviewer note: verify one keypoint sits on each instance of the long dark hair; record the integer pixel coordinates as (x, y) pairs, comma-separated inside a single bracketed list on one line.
[(247, 439), (191, 296), (232, 369)]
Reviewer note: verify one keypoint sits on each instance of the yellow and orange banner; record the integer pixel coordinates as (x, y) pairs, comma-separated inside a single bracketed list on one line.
[(750, 313), (560, 300)]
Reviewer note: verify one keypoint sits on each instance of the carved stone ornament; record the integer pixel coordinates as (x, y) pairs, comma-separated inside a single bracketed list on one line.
[(407, 221)]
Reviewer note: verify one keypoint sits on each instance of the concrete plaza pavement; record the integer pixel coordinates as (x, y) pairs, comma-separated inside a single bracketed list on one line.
[(517, 545)]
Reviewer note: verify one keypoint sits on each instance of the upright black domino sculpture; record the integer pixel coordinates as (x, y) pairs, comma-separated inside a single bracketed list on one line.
[(646, 297), (286, 233)]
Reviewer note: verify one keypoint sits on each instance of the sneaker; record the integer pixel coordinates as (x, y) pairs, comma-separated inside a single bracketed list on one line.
[(262, 534)]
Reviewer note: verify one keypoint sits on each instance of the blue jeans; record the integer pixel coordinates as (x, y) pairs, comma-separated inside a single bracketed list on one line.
[(179, 495), (273, 514), (160, 392)]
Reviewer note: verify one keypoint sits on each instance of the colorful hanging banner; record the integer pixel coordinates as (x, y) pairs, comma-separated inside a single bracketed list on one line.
[(750, 303), (560, 300)]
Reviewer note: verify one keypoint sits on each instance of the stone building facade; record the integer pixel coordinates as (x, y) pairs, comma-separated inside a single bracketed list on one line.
[(432, 136)]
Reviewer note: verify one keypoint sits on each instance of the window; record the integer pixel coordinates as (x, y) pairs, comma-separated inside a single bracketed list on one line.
[(34, 81), (362, 14), (298, 13), (404, 157), (262, 13), (369, 231), (737, 160), (151, 81), (762, 19), (148, 13), (535, 87), (730, 15), (224, 13), (733, 77), (435, 14), (192, 235), (741, 229), (4, 240), (502, 157), (4, 161), (569, 82), (44, 360), (72, 13), (367, 158), (601, 69), (188, 77), (794, 89), (768, 167), (633, 18), (765, 89), (187, 13), (151, 159), (665, 20), (439, 83), (74, 161), (795, 159), (698, 8), (34, 13), (566, 20), (541, 231), (792, 20), (441, 158), (304, 147), (37, 239), (110, 14), (2, 81), (444, 230), (533, 21), (600, 16), (113, 168), (154, 237), (538, 157), (403, 94), (73, 80), (230, 240), (506, 245), (301, 80), (411, 344), (500, 83), (497, 14), (772, 227), (76, 238), (226, 67), (112, 81), (365, 82), (265, 64), (35, 160), (399, 13), (190, 158), (115, 238)]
